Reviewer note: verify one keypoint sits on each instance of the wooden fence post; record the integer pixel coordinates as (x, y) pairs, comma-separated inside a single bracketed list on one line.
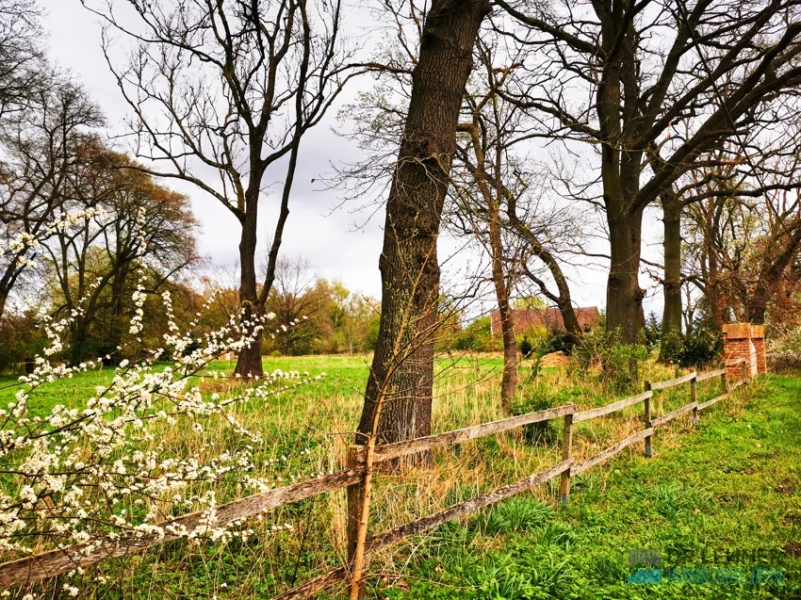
[(724, 381), (694, 398), (354, 500), (649, 449), (567, 453)]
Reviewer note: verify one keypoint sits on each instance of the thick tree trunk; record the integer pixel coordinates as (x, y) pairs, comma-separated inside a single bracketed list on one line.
[(79, 341), (624, 313), (401, 377), (672, 312), (248, 363), (509, 378)]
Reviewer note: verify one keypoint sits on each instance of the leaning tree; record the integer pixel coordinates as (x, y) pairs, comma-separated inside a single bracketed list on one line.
[(226, 90), (627, 77), (399, 390)]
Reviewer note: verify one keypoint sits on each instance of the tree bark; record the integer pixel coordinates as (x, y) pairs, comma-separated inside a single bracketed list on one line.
[(248, 363), (624, 313), (79, 341), (672, 312), (401, 376), (116, 320)]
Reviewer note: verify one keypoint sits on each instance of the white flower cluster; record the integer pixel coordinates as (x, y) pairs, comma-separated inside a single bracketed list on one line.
[(101, 470), (24, 242)]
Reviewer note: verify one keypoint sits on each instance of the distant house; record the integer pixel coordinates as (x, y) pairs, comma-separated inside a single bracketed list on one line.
[(545, 318)]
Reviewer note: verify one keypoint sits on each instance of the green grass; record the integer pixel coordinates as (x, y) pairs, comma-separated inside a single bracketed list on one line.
[(732, 485), (706, 490)]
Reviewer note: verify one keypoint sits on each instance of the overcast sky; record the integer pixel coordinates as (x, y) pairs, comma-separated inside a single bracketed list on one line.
[(340, 243)]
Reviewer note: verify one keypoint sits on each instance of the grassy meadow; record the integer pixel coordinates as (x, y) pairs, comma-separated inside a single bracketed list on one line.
[(706, 490)]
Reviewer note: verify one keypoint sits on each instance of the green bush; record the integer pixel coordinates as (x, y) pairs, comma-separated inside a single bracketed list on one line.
[(526, 347), (560, 341), (620, 363), (22, 338), (477, 337), (699, 348), (538, 397)]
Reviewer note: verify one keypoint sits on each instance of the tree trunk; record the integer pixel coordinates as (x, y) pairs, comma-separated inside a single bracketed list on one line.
[(118, 288), (400, 384), (672, 312), (80, 333), (563, 300), (248, 363), (509, 378), (624, 313)]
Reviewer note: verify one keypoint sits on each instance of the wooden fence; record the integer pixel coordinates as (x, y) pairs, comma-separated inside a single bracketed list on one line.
[(49, 564)]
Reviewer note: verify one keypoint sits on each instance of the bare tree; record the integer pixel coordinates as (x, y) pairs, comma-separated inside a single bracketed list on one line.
[(230, 87), (494, 196), (624, 75), (23, 69), (743, 240), (292, 302), (40, 146), (760, 160), (127, 222), (499, 199)]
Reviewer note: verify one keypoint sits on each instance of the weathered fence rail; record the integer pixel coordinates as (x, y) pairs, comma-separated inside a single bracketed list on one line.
[(49, 564)]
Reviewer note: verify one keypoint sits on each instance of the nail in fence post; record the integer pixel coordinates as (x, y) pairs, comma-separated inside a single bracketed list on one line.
[(354, 500), (567, 452), (694, 396), (649, 450)]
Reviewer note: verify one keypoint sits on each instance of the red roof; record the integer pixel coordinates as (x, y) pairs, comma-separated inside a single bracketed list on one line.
[(546, 318)]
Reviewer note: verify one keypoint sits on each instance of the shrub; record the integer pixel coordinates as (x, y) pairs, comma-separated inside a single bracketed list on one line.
[(22, 337), (699, 348), (538, 398), (619, 363), (526, 347), (477, 336), (560, 341), (784, 349)]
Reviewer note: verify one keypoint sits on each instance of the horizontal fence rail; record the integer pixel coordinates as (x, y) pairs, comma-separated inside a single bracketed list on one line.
[(611, 451), (449, 438), (663, 385), (711, 375), (610, 408), (49, 564), (55, 562)]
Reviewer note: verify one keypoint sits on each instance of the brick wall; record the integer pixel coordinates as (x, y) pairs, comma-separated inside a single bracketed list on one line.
[(743, 340)]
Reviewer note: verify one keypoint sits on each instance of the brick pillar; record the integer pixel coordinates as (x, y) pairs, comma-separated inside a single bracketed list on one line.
[(758, 338), (736, 345)]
